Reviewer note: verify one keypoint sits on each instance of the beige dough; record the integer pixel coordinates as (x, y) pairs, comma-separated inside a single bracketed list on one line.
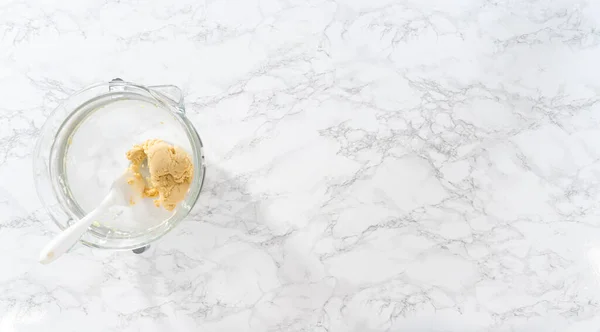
[(171, 172)]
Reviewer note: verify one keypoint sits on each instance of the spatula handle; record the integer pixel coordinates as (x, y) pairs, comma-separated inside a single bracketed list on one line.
[(67, 238)]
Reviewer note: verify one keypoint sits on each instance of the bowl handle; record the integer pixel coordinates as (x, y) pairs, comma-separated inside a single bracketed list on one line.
[(169, 94)]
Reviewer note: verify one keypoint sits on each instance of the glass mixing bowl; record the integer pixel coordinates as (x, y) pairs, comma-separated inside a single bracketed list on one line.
[(82, 147)]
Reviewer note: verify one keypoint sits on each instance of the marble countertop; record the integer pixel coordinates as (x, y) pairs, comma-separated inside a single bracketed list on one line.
[(372, 165)]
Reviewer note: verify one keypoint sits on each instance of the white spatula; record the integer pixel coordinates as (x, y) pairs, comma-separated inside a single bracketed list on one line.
[(119, 194)]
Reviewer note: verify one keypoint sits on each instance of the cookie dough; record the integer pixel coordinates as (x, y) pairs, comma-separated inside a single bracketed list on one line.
[(171, 172)]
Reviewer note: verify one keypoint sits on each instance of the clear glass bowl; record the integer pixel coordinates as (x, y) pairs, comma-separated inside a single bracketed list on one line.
[(81, 150)]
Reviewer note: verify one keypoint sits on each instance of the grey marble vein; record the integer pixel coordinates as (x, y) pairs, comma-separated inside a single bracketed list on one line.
[(384, 165)]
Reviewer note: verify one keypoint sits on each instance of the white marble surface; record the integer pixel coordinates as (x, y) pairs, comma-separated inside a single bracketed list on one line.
[(374, 165)]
